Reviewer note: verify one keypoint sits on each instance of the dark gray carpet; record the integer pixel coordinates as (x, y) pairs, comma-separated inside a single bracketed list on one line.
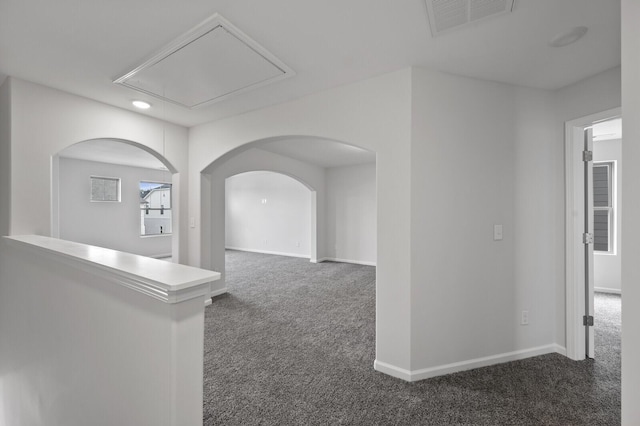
[(293, 343)]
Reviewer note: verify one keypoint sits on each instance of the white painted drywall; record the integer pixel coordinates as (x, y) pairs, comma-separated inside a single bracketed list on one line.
[(81, 348), (482, 154), (45, 121), (5, 157), (630, 211), (607, 267), (599, 93), (374, 114), (268, 212), (351, 214), (111, 225)]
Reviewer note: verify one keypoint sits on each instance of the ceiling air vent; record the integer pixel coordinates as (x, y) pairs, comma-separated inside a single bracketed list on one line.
[(445, 15), (209, 63)]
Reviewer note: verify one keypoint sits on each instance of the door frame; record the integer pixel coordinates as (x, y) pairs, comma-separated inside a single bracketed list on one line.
[(574, 227)]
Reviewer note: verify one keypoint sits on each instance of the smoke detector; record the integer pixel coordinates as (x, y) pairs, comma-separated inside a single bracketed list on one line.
[(446, 15)]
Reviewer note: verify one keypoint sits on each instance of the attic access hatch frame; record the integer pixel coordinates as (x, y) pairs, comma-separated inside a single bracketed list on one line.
[(186, 73), (448, 15)]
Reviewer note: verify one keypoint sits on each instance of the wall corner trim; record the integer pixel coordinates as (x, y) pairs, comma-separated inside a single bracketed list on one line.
[(440, 370)]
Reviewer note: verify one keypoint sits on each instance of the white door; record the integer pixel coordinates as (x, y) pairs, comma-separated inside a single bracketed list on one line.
[(588, 243)]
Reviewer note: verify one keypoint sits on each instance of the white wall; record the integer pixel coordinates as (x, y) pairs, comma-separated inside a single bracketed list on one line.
[(374, 114), (485, 153), (45, 121), (5, 157), (351, 214), (630, 211), (482, 154), (607, 267), (268, 212), (79, 347), (111, 225)]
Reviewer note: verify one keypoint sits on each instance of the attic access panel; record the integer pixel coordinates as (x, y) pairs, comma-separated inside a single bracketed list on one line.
[(445, 15), (209, 63)]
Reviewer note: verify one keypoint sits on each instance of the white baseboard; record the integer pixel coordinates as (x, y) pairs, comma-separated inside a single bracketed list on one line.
[(392, 370), (560, 349), (427, 373), (336, 259), (607, 290), (218, 292), (277, 253), (207, 301)]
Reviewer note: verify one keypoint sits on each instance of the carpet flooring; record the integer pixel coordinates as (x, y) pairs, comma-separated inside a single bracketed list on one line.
[(293, 343)]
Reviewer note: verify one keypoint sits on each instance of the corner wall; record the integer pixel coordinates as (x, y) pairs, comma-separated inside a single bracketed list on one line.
[(482, 155), (351, 214), (5, 157), (630, 211)]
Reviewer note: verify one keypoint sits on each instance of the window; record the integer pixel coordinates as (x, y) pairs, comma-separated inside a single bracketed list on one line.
[(603, 206), (105, 189), (155, 208)]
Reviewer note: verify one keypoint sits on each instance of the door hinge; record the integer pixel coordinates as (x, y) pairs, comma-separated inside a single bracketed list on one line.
[(587, 238), (587, 156), (587, 320)]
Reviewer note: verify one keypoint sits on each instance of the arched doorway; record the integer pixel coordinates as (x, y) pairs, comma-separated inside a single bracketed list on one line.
[(99, 189), (306, 160), (267, 212)]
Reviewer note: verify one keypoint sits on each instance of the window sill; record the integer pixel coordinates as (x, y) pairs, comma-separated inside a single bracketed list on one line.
[(155, 235)]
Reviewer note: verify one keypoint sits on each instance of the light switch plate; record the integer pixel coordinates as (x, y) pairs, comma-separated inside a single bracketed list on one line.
[(497, 232)]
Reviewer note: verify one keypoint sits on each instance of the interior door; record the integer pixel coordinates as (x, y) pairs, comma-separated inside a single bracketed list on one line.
[(588, 243)]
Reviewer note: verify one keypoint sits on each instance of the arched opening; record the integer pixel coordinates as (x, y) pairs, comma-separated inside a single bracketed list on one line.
[(320, 312), (116, 194), (315, 162), (267, 212)]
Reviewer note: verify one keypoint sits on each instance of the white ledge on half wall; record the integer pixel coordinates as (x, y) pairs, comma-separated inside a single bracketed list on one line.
[(165, 281)]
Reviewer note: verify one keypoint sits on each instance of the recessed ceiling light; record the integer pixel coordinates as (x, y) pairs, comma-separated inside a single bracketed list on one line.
[(141, 104), (568, 37)]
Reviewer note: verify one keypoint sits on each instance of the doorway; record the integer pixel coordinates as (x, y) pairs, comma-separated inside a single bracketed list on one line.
[(581, 239)]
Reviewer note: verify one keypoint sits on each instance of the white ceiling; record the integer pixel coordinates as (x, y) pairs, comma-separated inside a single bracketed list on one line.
[(82, 46)]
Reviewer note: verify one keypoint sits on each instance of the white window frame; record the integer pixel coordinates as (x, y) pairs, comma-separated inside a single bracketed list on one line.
[(105, 178), (144, 210), (611, 168)]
